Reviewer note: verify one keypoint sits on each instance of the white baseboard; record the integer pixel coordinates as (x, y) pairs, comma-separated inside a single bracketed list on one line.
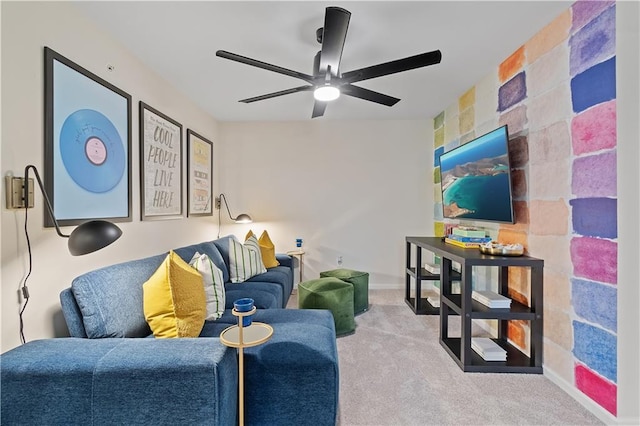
[(379, 286), (584, 400)]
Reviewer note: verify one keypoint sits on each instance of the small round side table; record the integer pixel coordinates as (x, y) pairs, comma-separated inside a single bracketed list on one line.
[(299, 253), (241, 337)]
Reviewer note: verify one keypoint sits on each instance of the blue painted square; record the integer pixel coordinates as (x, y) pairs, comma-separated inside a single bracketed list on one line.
[(595, 302), (596, 348), (436, 156), (595, 217), (594, 86), (594, 43)]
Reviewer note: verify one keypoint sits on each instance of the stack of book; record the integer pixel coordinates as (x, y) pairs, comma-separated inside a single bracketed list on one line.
[(466, 242), (488, 349), (491, 299), (434, 301), (468, 231), (432, 268)]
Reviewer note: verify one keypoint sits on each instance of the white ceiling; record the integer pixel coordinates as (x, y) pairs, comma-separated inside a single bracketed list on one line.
[(178, 39)]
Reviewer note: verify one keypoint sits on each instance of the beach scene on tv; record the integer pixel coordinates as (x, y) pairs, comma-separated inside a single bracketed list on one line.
[(476, 179)]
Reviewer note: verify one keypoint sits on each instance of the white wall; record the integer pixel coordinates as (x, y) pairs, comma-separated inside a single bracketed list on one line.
[(348, 188), (628, 110), (26, 28)]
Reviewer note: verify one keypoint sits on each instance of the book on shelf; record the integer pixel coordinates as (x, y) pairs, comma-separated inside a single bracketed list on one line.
[(461, 244), (491, 299), (434, 301), (469, 231), (488, 349), (432, 268), (481, 240)]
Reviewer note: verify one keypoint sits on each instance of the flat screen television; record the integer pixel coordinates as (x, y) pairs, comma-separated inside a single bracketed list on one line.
[(476, 179)]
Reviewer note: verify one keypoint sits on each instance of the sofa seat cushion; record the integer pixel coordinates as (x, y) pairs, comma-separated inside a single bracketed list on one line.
[(110, 298), (76, 381)]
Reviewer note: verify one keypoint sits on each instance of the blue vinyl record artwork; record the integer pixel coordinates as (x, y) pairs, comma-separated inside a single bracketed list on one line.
[(92, 151)]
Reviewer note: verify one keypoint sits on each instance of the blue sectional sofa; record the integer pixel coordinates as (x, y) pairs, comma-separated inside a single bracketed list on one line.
[(112, 371)]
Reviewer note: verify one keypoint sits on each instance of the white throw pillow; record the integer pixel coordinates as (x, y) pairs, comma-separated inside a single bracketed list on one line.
[(245, 260), (213, 285)]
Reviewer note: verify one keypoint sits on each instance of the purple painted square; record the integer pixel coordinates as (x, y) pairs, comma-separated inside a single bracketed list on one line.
[(512, 92), (595, 175), (594, 43), (595, 217), (595, 302), (585, 10), (595, 259)]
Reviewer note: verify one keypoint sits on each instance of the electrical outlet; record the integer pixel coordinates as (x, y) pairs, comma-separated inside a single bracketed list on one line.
[(218, 203), (14, 190), (339, 260)]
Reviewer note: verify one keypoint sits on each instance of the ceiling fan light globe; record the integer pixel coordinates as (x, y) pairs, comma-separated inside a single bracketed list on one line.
[(326, 93)]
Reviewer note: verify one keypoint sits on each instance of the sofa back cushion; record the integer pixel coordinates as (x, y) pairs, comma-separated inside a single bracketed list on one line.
[(110, 299), (208, 248)]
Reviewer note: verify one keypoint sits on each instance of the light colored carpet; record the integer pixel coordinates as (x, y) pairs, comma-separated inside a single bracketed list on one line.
[(393, 371)]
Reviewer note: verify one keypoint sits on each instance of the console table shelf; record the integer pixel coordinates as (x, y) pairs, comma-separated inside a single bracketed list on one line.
[(459, 348)]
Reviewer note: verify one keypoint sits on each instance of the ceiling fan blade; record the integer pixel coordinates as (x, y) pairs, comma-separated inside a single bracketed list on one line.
[(334, 33), (368, 95), (276, 94), (392, 67), (318, 108), (264, 65)]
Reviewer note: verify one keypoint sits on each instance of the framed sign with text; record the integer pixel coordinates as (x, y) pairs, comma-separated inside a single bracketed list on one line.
[(160, 165), (200, 175)]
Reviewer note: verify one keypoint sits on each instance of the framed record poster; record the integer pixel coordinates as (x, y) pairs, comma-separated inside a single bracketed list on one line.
[(160, 165), (200, 171), (87, 148)]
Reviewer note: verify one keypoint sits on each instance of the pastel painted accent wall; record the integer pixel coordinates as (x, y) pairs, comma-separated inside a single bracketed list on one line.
[(557, 94)]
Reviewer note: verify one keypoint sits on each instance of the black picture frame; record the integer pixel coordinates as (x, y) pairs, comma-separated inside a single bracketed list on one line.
[(160, 165), (87, 144), (200, 175)]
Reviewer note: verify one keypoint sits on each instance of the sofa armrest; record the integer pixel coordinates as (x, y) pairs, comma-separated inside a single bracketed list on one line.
[(119, 381), (284, 260)]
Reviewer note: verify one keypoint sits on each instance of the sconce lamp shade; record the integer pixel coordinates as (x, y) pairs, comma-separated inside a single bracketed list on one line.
[(92, 236), (243, 218)]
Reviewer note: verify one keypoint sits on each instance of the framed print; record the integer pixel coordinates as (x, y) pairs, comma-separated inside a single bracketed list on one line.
[(87, 152), (160, 165), (199, 172)]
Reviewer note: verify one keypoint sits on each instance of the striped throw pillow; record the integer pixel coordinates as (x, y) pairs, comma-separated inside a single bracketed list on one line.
[(245, 260), (213, 285)]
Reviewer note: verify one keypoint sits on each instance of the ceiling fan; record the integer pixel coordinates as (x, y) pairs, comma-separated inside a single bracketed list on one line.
[(327, 82)]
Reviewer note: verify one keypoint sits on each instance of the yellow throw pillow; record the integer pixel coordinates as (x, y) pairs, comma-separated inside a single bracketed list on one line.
[(267, 249), (174, 300)]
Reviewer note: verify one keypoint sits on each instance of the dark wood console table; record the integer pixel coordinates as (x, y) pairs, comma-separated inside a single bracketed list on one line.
[(459, 348)]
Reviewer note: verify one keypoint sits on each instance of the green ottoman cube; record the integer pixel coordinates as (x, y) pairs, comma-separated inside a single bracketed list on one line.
[(360, 282), (332, 294)]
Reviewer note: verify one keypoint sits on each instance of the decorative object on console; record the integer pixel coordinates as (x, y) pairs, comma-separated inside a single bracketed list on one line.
[(200, 174), (87, 144), (160, 165), (86, 238), (327, 81), (497, 249), (174, 299)]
